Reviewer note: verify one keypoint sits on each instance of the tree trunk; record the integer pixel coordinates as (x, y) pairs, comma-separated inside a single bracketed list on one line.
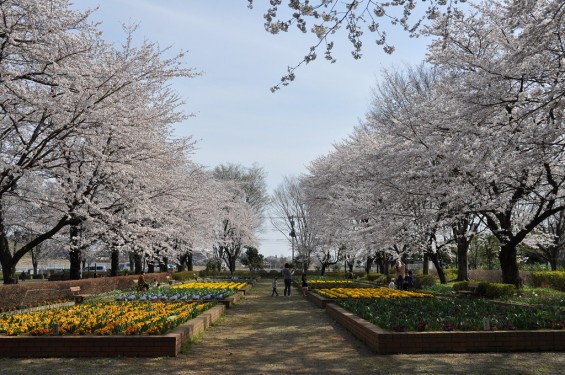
[(131, 260), (434, 258), (115, 262), (75, 252), (349, 266), (137, 263), (508, 265), (10, 261), (462, 264), (189, 264), (426, 265), (231, 264), (35, 252), (369, 264), (382, 263), (7, 260), (323, 269)]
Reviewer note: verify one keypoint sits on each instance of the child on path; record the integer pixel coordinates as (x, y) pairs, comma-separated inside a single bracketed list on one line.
[(275, 284), (304, 284), (392, 285)]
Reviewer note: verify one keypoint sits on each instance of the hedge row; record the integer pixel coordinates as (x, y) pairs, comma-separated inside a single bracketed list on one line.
[(549, 279), (486, 289)]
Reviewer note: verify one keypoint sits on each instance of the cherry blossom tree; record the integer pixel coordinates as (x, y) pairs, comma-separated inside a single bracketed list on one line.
[(292, 218), (243, 203), (326, 20), (508, 62), (65, 92)]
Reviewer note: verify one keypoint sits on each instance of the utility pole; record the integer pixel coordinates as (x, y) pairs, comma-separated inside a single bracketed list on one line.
[(292, 235)]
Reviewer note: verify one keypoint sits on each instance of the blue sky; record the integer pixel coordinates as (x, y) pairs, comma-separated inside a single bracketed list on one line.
[(238, 120)]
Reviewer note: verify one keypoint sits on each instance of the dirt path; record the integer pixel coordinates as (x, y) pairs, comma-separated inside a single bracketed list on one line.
[(278, 335)]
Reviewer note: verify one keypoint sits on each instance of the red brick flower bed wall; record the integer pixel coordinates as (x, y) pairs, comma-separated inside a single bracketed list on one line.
[(109, 346), (37, 293), (387, 342)]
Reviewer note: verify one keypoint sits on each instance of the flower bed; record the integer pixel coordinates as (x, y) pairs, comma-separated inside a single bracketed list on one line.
[(194, 291), (226, 288), (364, 293), (389, 342), (439, 314), (393, 321), (169, 344), (103, 319)]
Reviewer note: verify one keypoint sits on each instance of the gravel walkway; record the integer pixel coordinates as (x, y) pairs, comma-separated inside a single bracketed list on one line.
[(279, 335)]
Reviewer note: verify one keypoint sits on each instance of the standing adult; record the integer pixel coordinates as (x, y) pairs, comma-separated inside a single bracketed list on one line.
[(287, 277), (400, 272)]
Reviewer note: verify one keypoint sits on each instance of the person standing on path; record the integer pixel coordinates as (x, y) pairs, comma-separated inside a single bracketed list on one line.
[(287, 276), (275, 284), (400, 274)]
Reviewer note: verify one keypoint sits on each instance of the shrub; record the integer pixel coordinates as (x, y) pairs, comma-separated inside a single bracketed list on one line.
[(549, 279), (375, 276), (496, 290), (450, 274), (422, 281), (184, 275), (488, 290), (59, 276), (461, 285)]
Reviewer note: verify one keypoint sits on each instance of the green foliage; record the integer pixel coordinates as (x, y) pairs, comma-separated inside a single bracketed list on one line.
[(549, 279), (184, 275), (450, 274), (378, 277), (496, 290), (438, 289), (461, 285), (540, 296), (343, 275), (60, 276), (225, 275), (441, 314), (423, 281), (214, 264), (487, 290), (269, 273), (252, 258)]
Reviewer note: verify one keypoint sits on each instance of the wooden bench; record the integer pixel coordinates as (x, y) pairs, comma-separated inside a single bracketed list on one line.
[(78, 296), (472, 290)]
